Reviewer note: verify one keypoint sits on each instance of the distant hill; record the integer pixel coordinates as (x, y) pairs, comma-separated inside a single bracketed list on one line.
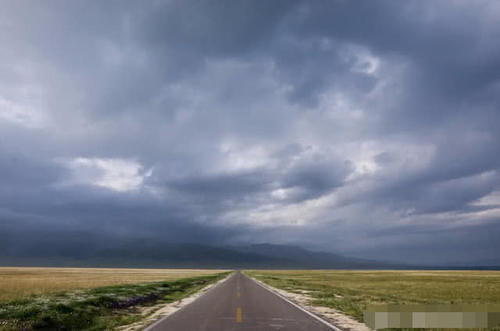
[(187, 255), (298, 257)]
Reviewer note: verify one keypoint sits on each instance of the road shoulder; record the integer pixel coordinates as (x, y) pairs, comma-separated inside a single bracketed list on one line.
[(333, 316), (152, 315)]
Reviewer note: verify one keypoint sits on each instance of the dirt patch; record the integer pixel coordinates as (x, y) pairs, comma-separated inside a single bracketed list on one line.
[(331, 315), (157, 312)]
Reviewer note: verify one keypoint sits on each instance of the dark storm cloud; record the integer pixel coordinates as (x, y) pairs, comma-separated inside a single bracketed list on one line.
[(222, 186), (327, 123)]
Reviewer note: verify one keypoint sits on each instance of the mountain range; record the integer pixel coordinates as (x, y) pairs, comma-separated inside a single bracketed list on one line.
[(147, 254), (189, 255)]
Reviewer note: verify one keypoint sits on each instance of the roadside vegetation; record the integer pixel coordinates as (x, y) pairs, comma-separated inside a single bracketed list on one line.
[(351, 291), (101, 308)]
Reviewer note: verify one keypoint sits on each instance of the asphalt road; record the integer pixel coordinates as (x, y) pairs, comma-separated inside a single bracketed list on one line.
[(239, 303)]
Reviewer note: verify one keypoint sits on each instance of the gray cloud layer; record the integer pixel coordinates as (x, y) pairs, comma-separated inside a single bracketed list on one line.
[(366, 128)]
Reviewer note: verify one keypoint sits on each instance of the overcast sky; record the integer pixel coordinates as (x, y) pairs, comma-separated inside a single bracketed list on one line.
[(367, 128)]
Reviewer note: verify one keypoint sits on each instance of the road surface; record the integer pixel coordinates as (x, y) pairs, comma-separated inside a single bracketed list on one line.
[(239, 303)]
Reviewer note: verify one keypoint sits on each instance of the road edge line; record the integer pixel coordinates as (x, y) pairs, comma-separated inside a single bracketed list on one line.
[(271, 289), (151, 326)]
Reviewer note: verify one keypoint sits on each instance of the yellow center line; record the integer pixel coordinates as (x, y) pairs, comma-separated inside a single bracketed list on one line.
[(238, 315), (239, 294)]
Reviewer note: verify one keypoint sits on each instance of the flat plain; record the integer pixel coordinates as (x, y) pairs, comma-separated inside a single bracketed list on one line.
[(91, 299), (23, 282), (351, 291)]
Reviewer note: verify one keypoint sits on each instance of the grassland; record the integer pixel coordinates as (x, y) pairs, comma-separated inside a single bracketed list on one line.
[(19, 283), (77, 304), (351, 291)]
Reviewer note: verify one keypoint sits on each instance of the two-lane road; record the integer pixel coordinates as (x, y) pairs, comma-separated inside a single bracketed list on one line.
[(239, 303)]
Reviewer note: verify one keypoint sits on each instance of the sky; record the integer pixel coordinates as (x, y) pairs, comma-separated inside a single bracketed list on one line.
[(364, 128)]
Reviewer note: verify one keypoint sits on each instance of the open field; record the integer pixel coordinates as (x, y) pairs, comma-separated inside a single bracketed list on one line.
[(18, 283), (351, 291), (98, 308)]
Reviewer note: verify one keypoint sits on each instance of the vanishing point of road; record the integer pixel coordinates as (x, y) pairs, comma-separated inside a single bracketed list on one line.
[(240, 303)]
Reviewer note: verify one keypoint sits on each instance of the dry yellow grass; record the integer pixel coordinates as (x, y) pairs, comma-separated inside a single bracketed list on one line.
[(18, 283)]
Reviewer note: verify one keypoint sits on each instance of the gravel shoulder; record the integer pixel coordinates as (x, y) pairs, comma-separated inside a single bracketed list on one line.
[(151, 315), (330, 315)]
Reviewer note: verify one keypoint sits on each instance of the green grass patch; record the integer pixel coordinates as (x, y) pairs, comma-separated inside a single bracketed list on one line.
[(351, 291), (102, 308)]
